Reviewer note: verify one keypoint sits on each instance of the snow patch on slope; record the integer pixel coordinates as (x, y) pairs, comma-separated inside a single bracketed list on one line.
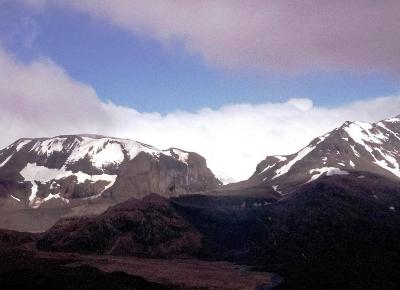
[(267, 167), (388, 162), (361, 132), (48, 147), (178, 154), (299, 156), (393, 120), (280, 157), (34, 191), (111, 152), (285, 168), (35, 173), (22, 143), (382, 125), (330, 171), (275, 188), (6, 160), (101, 152), (15, 198), (133, 148)]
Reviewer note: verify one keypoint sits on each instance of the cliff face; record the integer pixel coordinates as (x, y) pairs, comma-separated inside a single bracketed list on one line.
[(164, 175)]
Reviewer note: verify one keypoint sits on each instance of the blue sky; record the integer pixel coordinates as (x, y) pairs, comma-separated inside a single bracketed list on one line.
[(139, 71)]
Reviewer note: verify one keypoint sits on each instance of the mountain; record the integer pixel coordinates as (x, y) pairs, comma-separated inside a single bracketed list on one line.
[(42, 179), (63, 168), (353, 147)]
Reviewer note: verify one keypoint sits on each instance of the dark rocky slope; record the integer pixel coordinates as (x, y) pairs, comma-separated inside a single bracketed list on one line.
[(339, 232), (150, 227)]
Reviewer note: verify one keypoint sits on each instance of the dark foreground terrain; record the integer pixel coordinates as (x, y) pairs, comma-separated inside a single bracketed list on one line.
[(339, 232), (22, 270), (22, 266)]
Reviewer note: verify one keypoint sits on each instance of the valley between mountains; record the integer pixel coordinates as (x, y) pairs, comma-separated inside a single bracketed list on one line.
[(325, 217)]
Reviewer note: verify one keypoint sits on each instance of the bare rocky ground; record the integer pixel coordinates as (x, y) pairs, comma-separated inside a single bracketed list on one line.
[(176, 273), (23, 267)]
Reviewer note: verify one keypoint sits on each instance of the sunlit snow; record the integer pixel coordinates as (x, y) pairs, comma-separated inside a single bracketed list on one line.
[(330, 171), (36, 173)]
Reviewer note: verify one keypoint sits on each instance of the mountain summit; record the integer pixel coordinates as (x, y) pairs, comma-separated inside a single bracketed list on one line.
[(354, 147)]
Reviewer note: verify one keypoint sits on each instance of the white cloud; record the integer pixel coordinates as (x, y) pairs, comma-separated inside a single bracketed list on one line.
[(40, 99)]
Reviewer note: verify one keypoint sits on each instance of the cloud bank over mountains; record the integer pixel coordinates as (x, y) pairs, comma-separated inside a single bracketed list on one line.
[(41, 99), (270, 35)]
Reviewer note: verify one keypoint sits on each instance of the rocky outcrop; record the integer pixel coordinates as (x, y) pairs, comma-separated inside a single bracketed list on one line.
[(150, 227), (164, 175)]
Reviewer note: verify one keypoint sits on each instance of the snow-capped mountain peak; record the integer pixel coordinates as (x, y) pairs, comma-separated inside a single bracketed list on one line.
[(86, 166), (353, 147)]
